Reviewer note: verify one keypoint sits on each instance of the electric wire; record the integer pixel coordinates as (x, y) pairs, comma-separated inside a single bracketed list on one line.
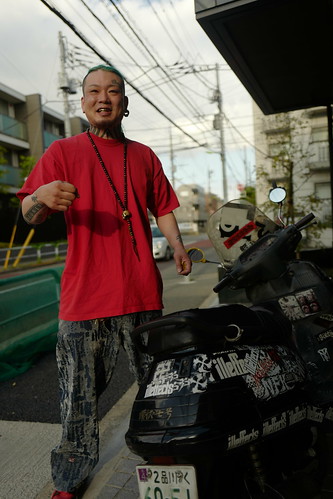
[(244, 138), (172, 40), (171, 81), (173, 27), (168, 77), (103, 25), (154, 83), (209, 131), (96, 51), (187, 72)]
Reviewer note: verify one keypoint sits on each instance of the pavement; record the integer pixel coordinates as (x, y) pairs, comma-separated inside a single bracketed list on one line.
[(25, 454)]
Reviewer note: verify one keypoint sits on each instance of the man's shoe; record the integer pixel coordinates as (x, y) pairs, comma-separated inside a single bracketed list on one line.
[(58, 494)]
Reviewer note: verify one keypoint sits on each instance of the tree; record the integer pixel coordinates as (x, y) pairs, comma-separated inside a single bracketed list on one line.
[(2, 155), (2, 162), (249, 193), (26, 164), (289, 153)]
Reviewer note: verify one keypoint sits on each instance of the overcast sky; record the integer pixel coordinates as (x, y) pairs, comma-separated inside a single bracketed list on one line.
[(163, 53)]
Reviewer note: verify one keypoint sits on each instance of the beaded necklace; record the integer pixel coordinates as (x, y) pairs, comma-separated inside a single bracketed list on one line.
[(126, 214)]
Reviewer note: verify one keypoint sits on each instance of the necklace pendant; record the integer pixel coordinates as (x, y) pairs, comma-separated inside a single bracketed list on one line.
[(126, 214)]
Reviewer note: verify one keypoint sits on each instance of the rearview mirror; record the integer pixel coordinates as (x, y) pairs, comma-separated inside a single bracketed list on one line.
[(277, 195)]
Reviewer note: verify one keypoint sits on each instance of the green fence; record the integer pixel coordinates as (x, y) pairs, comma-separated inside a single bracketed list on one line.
[(28, 318)]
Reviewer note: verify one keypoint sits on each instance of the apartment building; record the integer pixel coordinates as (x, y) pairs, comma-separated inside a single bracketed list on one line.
[(27, 128), (292, 149), (192, 213)]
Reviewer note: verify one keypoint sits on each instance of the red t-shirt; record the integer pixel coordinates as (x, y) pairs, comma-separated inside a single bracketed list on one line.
[(103, 277)]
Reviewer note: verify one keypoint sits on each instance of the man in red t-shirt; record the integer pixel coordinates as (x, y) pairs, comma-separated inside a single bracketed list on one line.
[(105, 184)]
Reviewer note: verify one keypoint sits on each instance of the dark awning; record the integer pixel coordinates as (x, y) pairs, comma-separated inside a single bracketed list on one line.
[(281, 50)]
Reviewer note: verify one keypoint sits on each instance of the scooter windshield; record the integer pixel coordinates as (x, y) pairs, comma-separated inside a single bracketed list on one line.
[(236, 226)]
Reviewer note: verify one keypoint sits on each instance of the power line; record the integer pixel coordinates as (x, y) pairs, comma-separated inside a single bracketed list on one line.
[(94, 49), (154, 83), (243, 136), (167, 75), (189, 69)]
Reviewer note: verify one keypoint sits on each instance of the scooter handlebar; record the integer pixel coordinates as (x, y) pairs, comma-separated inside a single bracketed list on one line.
[(304, 221), (265, 255), (225, 281)]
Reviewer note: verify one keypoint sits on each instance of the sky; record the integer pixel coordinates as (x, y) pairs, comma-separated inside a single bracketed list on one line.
[(169, 65)]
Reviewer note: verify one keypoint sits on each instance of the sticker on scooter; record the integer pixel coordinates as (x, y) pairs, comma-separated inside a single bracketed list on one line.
[(229, 364), (274, 424), (299, 305), (271, 425), (167, 379), (238, 234), (298, 414), (324, 354), (267, 371), (242, 437), (329, 414), (325, 320), (315, 414), (325, 335), (153, 414)]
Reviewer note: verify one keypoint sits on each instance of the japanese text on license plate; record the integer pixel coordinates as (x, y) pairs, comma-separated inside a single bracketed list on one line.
[(167, 482)]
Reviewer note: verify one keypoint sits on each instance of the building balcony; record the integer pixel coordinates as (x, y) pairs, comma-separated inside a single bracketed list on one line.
[(275, 124), (9, 175), (319, 156), (49, 138), (14, 128)]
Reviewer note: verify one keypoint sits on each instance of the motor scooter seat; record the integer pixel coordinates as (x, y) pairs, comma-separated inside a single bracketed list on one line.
[(195, 328)]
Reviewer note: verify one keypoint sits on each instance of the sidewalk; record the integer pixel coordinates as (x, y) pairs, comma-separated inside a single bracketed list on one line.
[(25, 454)]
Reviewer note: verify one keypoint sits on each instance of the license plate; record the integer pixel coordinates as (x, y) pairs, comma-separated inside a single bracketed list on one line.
[(167, 482)]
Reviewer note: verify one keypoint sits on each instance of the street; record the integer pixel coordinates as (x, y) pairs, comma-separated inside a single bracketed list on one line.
[(33, 396)]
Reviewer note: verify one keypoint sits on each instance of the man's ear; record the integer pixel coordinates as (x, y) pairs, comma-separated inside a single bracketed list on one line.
[(82, 104)]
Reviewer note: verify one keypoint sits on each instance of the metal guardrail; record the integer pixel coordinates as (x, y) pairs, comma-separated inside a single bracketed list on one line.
[(34, 254), (29, 305)]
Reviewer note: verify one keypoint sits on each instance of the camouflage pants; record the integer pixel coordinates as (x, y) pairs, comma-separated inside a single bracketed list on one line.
[(87, 352)]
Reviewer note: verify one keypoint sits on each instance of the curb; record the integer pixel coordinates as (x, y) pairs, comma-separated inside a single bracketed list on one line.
[(113, 428), (114, 475)]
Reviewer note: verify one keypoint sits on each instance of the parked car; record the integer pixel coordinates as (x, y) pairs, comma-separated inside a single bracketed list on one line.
[(161, 247)]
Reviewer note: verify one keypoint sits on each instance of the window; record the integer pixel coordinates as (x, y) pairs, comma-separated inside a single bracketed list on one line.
[(15, 159), (319, 138), (7, 156), (323, 190), (3, 107), (319, 134), (54, 128), (278, 149), (11, 110), (323, 193)]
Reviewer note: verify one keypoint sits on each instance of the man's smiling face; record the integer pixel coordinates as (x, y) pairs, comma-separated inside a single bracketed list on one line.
[(103, 99)]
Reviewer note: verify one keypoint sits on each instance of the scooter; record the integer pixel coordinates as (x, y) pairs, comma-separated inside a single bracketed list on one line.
[(238, 401)]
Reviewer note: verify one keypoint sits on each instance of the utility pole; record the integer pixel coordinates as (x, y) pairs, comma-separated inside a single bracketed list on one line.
[(219, 126), (330, 149), (64, 85), (172, 161), (210, 172), (246, 169)]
